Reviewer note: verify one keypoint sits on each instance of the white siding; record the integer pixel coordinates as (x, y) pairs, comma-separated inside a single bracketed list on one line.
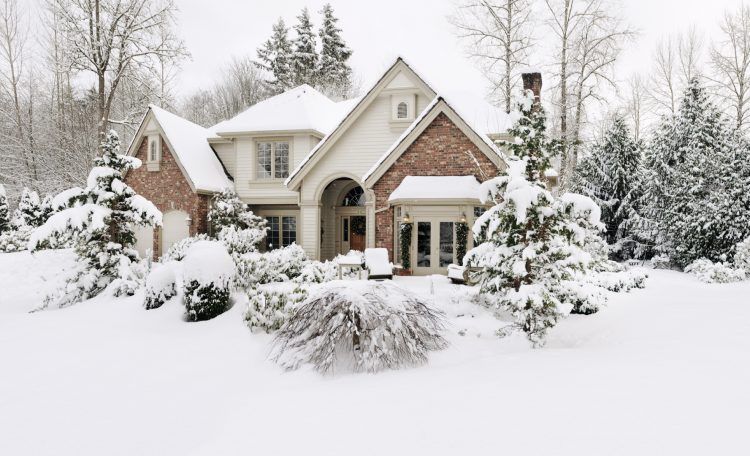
[(227, 156)]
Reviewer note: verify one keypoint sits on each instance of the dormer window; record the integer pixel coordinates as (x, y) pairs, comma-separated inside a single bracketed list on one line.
[(402, 111), (403, 107)]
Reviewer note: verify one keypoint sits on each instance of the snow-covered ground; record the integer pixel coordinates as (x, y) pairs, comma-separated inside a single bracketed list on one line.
[(663, 370)]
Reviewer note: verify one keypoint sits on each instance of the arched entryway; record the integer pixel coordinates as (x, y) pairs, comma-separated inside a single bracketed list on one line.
[(343, 218), (175, 227)]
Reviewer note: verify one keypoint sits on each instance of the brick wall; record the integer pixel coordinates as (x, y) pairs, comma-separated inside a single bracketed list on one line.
[(439, 151), (168, 189)]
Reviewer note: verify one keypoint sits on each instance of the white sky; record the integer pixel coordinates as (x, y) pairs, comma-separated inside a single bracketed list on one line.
[(215, 30)]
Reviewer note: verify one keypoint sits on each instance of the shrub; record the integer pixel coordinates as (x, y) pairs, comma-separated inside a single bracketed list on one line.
[(661, 261), (366, 326), (619, 281), (268, 309), (15, 240), (585, 298), (318, 272), (160, 286), (710, 272), (208, 271), (239, 241), (279, 265), (131, 276), (179, 249), (742, 255)]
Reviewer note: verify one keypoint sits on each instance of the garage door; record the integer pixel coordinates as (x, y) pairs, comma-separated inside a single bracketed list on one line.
[(174, 228), (144, 240)]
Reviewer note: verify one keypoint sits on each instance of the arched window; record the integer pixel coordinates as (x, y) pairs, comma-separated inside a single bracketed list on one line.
[(402, 111), (354, 197)]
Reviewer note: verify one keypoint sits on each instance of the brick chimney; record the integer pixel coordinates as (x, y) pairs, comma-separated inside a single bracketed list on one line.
[(533, 82)]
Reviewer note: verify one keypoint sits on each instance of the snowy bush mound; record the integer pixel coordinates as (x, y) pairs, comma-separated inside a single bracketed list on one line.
[(208, 271), (267, 310), (160, 286), (318, 272), (710, 272), (179, 249), (362, 326), (742, 255)]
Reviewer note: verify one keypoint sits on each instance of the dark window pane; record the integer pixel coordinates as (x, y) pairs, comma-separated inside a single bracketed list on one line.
[(346, 229), (281, 163), (264, 161), (423, 244), (446, 243), (289, 230), (272, 239)]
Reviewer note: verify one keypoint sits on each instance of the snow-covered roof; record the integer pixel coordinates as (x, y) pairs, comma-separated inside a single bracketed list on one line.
[(479, 115), (190, 145), (436, 188), (302, 108)]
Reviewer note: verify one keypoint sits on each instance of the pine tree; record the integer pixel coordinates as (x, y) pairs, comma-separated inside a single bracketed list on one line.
[(697, 183), (305, 56), (4, 211), (530, 244), (276, 57), (101, 217), (29, 210), (333, 73), (227, 209), (609, 176)]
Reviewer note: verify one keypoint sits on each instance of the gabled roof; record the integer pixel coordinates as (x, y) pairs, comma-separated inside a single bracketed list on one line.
[(188, 143), (437, 106), (477, 117), (300, 109), (351, 116)]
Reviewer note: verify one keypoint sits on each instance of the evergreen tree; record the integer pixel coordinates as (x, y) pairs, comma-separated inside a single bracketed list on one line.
[(305, 56), (101, 217), (697, 183), (333, 72), (4, 211), (227, 209), (29, 211), (276, 57), (609, 176), (530, 245)]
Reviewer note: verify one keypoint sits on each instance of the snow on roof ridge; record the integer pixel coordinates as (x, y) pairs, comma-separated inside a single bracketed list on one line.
[(190, 146)]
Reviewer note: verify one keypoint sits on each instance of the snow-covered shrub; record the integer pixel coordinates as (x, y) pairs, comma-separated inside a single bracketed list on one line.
[(267, 310), (318, 272), (279, 265), (100, 218), (710, 272), (15, 239), (661, 261), (742, 255), (584, 298), (228, 210), (160, 286), (208, 271), (364, 325), (179, 249), (618, 281), (240, 241), (131, 276), (29, 211), (4, 212)]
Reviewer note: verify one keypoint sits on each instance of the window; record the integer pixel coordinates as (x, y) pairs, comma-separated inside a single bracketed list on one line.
[(273, 160), (354, 197), (402, 111), (282, 231), (346, 229), (153, 148)]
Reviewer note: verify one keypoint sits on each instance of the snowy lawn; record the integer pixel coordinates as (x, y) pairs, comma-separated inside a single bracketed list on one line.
[(663, 370)]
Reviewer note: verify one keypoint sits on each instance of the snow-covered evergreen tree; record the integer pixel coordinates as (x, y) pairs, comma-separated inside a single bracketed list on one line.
[(101, 217), (609, 176), (4, 211), (29, 212), (530, 245), (333, 73), (305, 55), (697, 182), (227, 209), (276, 57)]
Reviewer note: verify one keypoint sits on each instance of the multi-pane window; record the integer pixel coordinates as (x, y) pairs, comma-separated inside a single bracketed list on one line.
[(402, 111), (282, 231), (153, 148), (273, 160)]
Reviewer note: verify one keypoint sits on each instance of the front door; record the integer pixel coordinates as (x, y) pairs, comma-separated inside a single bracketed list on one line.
[(353, 230), (433, 246)]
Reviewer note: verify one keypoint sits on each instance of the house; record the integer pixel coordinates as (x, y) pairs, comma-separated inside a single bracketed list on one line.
[(330, 176)]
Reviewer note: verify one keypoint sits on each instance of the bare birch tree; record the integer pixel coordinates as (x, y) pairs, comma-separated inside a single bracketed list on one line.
[(731, 62), (635, 100), (115, 38), (499, 37), (677, 59)]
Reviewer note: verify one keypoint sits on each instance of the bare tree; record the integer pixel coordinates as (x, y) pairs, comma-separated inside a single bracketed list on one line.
[(676, 61), (588, 35), (731, 62), (115, 38), (499, 38), (636, 108)]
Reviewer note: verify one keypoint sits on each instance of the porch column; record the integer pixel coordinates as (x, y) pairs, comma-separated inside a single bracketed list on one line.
[(370, 212), (309, 214)]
